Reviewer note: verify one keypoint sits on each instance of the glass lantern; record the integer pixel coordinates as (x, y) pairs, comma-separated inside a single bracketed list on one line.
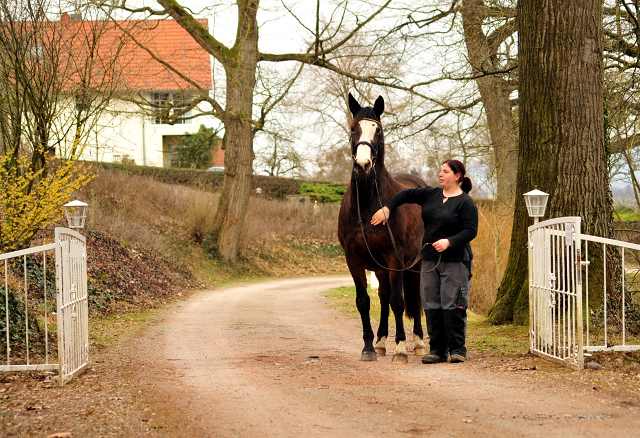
[(536, 202), (76, 212)]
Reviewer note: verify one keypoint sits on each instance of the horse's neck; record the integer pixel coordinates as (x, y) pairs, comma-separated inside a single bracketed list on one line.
[(370, 189)]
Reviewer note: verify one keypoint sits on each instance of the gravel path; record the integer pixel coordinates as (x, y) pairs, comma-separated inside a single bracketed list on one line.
[(240, 361), (272, 359)]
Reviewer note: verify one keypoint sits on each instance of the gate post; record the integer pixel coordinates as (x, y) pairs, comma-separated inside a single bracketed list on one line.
[(579, 319)]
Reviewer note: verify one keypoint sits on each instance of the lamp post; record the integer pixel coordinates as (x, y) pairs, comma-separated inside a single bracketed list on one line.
[(536, 201), (76, 212)]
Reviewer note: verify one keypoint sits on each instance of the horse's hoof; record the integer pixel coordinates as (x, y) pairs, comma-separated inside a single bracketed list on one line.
[(419, 351), (381, 351), (369, 356), (400, 358)]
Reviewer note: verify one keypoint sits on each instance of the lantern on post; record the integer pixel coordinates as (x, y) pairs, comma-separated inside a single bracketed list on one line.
[(76, 212), (536, 201)]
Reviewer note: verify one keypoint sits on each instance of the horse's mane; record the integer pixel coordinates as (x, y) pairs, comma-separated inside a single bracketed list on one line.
[(364, 113)]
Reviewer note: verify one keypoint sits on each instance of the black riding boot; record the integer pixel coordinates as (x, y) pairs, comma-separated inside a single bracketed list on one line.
[(455, 324), (437, 337)]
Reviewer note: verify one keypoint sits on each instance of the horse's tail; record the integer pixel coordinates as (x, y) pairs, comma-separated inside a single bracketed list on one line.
[(411, 286)]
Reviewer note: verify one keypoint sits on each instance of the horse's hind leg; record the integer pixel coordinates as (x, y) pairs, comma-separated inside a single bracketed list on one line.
[(414, 310), (383, 328), (363, 304)]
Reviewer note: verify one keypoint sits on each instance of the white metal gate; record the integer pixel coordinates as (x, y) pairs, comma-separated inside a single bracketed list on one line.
[(71, 305), (555, 291), (559, 266)]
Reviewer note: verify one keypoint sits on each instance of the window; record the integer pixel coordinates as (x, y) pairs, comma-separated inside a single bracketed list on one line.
[(82, 103), (36, 52), (123, 159), (172, 155), (167, 99)]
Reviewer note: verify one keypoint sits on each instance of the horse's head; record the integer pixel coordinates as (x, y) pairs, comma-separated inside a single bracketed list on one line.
[(367, 138)]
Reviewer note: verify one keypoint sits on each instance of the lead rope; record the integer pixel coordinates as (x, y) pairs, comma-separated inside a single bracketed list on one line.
[(393, 242)]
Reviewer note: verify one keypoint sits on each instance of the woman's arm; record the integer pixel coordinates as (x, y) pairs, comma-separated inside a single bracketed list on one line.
[(407, 196)]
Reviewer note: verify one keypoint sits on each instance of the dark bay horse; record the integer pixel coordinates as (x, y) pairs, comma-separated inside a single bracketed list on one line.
[(372, 184)]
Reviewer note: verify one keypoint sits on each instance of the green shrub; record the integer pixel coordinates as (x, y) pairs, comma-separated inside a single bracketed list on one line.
[(329, 193), (195, 151)]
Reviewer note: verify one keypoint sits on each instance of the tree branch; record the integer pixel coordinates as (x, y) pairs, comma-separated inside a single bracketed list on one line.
[(221, 52)]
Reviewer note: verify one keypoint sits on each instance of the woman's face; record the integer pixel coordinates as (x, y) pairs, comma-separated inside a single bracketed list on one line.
[(448, 179)]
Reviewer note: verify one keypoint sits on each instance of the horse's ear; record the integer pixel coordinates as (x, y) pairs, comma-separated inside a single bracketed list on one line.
[(354, 106), (378, 107)]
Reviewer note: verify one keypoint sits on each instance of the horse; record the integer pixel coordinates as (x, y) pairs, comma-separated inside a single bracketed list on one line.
[(375, 248)]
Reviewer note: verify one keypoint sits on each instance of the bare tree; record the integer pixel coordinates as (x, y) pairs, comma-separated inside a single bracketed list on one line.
[(56, 79), (240, 63), (487, 44), (280, 157)]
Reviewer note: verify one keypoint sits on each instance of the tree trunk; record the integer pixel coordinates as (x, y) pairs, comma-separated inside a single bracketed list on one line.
[(494, 92), (561, 127), (238, 138)]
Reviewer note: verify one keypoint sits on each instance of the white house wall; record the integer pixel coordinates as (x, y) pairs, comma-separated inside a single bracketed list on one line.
[(123, 131)]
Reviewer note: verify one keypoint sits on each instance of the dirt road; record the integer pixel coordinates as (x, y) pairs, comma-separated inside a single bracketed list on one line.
[(241, 361)]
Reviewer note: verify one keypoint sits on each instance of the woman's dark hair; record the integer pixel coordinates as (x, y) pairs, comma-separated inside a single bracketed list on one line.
[(457, 167)]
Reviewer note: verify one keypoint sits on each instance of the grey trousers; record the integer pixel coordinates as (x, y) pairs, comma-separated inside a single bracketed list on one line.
[(445, 287)]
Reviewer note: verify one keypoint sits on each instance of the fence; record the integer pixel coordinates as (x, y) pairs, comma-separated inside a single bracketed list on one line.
[(71, 305), (561, 327)]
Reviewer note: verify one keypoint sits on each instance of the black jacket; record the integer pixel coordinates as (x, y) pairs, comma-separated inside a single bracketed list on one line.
[(456, 220)]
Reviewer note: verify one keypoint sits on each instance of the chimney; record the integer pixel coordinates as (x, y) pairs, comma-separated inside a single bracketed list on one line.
[(65, 18)]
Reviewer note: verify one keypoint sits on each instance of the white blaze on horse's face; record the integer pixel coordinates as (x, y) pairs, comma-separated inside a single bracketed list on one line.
[(364, 154)]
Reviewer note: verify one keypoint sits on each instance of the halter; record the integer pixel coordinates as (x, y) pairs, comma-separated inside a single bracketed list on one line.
[(373, 149)]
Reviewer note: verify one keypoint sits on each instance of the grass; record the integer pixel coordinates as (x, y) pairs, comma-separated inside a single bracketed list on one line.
[(628, 216), (490, 250), (500, 340), (279, 238), (105, 331), (344, 299), (625, 213), (482, 337)]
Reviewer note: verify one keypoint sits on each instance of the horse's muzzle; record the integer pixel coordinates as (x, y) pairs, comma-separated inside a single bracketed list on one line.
[(362, 167), (363, 159)]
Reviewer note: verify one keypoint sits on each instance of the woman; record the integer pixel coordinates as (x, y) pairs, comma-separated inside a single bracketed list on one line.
[(450, 223)]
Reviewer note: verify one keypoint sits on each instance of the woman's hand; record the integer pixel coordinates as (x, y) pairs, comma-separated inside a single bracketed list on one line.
[(380, 216), (441, 245)]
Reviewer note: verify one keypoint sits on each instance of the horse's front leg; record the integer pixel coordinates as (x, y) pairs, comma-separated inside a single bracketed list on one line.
[(384, 289), (363, 304), (396, 301)]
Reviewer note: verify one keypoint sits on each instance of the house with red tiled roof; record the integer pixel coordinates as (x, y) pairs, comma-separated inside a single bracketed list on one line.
[(142, 134)]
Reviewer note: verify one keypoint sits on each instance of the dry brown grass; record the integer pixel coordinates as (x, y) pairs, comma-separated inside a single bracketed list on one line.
[(490, 252), (156, 215), (138, 209), (268, 220)]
